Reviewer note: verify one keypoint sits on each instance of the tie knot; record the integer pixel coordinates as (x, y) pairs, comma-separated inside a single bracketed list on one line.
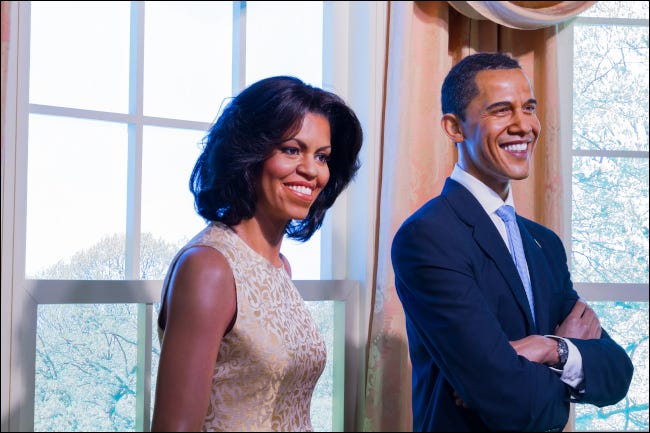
[(506, 213)]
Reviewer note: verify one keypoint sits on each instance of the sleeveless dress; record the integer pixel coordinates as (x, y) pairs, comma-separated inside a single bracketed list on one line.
[(269, 362)]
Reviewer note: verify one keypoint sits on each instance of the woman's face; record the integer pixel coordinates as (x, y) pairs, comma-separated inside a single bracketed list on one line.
[(296, 172)]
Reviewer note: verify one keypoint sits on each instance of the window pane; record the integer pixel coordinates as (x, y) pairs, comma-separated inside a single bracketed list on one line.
[(304, 257), (188, 59), (611, 88), (322, 399), (80, 55), (617, 9), (155, 356), (627, 324), (284, 38), (168, 216), (610, 220), (86, 365), (76, 198)]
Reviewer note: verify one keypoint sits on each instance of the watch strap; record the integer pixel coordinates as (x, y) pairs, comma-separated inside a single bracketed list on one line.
[(562, 352)]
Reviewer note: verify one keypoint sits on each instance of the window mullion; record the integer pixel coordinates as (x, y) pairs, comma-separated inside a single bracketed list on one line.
[(612, 153), (22, 353), (143, 381), (598, 21), (238, 46), (134, 213), (135, 133)]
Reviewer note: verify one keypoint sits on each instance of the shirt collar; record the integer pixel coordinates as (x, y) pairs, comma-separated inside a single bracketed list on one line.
[(489, 200)]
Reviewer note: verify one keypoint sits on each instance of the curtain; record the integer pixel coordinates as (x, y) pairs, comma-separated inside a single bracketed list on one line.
[(415, 161), (522, 15), (4, 39), (424, 40)]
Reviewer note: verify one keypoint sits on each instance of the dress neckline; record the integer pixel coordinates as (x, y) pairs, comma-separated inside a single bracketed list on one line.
[(260, 257)]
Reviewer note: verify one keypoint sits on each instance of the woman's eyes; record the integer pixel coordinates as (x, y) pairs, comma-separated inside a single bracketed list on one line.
[(290, 150), (323, 157), (294, 151)]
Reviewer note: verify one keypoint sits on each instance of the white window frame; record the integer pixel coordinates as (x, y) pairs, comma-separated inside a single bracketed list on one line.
[(354, 58), (627, 292)]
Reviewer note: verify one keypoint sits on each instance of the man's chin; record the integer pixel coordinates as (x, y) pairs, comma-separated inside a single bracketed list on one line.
[(519, 174)]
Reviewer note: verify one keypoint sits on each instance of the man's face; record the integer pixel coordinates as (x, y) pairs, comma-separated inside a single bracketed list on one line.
[(500, 129)]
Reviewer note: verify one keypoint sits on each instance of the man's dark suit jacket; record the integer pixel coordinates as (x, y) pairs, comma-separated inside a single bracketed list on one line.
[(464, 301)]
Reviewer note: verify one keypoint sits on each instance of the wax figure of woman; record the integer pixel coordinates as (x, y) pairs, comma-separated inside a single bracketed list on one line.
[(239, 348)]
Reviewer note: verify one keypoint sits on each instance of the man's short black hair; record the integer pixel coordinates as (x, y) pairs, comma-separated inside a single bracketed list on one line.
[(459, 87)]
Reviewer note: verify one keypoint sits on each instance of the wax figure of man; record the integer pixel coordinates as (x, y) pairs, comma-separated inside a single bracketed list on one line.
[(485, 355)]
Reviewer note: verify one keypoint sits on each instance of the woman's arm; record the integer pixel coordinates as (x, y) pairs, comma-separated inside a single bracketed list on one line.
[(201, 304)]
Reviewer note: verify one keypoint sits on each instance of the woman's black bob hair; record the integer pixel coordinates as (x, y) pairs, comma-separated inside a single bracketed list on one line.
[(251, 126)]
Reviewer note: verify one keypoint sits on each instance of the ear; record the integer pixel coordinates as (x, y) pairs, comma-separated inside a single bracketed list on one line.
[(451, 125)]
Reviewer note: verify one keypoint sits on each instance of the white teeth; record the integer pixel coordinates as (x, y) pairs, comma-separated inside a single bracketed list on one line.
[(300, 189), (516, 147)]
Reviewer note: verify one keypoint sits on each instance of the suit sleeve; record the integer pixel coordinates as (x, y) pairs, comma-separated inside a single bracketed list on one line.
[(450, 320), (607, 367)]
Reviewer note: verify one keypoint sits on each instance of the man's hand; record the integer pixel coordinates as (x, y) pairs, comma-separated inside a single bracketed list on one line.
[(536, 348), (582, 322)]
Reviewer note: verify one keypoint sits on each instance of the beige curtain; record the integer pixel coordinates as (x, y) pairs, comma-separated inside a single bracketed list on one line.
[(4, 39), (424, 40), (522, 15)]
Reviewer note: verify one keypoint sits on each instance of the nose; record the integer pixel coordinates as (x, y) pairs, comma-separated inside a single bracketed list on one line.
[(522, 123), (307, 167)]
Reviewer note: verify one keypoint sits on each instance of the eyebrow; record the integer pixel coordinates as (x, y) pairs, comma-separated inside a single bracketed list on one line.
[(508, 104)]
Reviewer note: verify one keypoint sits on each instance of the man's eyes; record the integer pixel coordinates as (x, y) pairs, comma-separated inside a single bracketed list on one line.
[(506, 110)]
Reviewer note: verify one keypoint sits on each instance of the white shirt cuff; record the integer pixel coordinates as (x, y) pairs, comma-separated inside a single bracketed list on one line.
[(572, 374)]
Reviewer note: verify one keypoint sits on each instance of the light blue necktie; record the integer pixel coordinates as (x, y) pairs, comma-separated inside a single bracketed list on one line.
[(507, 214)]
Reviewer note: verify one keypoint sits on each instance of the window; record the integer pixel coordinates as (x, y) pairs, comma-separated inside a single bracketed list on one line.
[(131, 128), (112, 100), (608, 179)]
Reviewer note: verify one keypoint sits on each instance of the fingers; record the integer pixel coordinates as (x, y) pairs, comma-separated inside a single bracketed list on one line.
[(598, 330), (594, 325), (592, 322), (578, 309), (582, 322)]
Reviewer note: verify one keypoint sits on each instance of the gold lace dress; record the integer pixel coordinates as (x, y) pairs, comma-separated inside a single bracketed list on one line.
[(269, 362)]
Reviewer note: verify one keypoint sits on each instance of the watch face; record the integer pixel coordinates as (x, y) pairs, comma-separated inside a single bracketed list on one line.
[(562, 351)]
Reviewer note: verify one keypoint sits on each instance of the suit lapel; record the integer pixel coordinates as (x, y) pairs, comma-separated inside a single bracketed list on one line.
[(488, 238)]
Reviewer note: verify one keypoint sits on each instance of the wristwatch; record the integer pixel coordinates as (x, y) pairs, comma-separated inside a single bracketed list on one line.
[(562, 353)]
